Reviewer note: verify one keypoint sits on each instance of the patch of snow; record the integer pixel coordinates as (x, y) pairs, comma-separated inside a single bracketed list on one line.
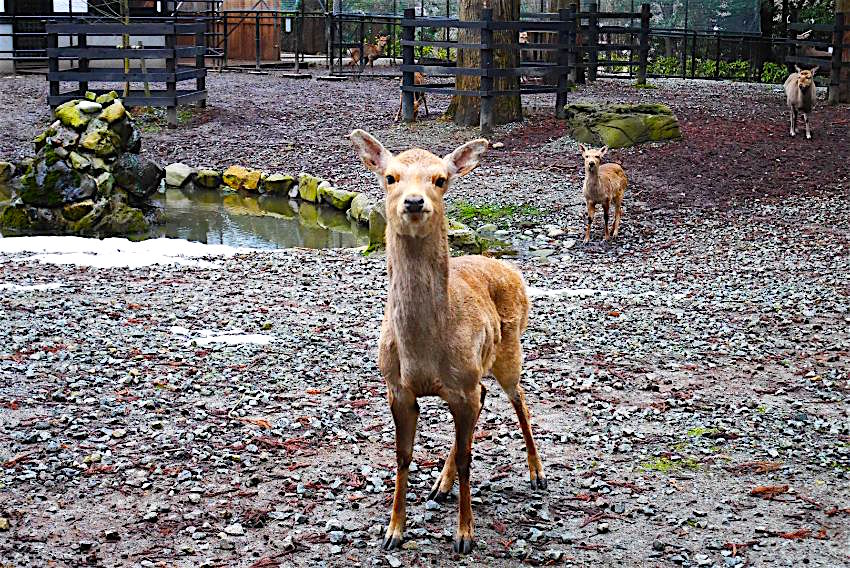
[(207, 336), (32, 287), (116, 252)]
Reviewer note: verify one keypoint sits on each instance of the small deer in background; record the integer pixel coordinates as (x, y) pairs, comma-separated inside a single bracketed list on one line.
[(811, 51), (447, 323), (603, 184), (373, 52), (800, 96), (418, 98)]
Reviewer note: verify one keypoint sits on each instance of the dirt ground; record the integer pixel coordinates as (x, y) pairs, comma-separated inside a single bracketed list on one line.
[(688, 383)]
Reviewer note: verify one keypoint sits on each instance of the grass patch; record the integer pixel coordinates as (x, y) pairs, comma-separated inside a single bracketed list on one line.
[(467, 212), (700, 431), (666, 465)]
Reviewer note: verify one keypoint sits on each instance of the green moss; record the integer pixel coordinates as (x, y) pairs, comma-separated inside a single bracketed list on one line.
[(16, 218), (467, 212), (700, 431), (666, 465)]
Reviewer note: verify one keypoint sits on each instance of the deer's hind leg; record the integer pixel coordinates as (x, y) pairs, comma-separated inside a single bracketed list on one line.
[(507, 369), (618, 212)]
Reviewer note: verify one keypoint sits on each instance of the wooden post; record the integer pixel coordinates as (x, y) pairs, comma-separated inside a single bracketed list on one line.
[(361, 33), (53, 62), (693, 55), (593, 40), (408, 32), (171, 79), (717, 55), (257, 46), (200, 61), (644, 43), (82, 42), (563, 60), (486, 118), (791, 48), (835, 68), (573, 53), (224, 41)]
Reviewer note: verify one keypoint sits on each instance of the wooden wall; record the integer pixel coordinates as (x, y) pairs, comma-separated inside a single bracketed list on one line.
[(241, 41)]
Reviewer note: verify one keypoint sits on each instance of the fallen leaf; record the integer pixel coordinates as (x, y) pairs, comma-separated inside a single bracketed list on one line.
[(261, 422), (769, 491)]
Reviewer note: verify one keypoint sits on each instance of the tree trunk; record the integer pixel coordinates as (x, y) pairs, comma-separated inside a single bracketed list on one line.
[(844, 79), (466, 110)]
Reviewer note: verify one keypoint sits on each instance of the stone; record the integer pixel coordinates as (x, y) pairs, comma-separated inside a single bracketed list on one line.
[(4, 524), (377, 225), (237, 177), (122, 220), (113, 113), (621, 125), (278, 183), (72, 117), (208, 179), (308, 187), (131, 139), (99, 139), (50, 182), (488, 230), (76, 211), (106, 98), (178, 174), (336, 198), (463, 237), (394, 561), (89, 96), (105, 182), (7, 170), (359, 208), (234, 530), (90, 106), (78, 161), (137, 175)]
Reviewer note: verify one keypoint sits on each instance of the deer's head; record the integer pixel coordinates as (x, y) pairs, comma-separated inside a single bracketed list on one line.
[(805, 77), (382, 41), (592, 158), (415, 181)]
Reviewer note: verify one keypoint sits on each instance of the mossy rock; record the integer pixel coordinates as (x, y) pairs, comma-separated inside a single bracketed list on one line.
[(377, 225), (41, 140), (72, 117), (337, 198), (106, 98), (78, 161), (208, 179), (138, 175), (100, 140), (90, 96), (122, 220), (16, 218), (76, 211), (49, 182), (7, 170), (237, 177), (621, 125), (113, 113), (308, 187), (278, 183), (359, 208)]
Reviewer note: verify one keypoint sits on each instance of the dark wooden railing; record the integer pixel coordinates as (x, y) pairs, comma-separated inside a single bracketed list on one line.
[(832, 37)]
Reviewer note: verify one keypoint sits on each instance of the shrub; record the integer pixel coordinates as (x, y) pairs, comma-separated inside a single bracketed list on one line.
[(773, 73)]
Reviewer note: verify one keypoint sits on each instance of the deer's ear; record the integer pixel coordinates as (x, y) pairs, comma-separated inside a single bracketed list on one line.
[(582, 148), (374, 155), (815, 70), (797, 67), (603, 151), (465, 158)]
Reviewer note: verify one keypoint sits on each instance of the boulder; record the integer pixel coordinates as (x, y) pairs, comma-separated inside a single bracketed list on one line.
[(106, 98), (40, 140), (76, 211), (100, 139), (113, 113), (7, 170), (308, 187), (49, 182), (90, 106), (278, 183), (131, 139), (71, 116), (178, 174), (90, 96), (621, 125), (122, 220), (377, 225), (208, 179), (78, 161), (359, 208), (137, 175), (462, 237), (237, 177), (336, 198)]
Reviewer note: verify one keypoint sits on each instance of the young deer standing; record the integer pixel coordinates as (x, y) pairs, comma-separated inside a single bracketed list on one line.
[(447, 322), (800, 96), (418, 98), (373, 52), (603, 184)]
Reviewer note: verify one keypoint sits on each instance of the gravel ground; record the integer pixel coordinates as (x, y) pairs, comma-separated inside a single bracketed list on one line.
[(688, 384)]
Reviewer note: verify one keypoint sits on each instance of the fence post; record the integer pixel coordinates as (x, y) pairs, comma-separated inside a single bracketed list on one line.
[(200, 60), (693, 55), (791, 48), (361, 33), (563, 61), (224, 41), (643, 55), (408, 32), (53, 63), (257, 46), (835, 67), (593, 40), (485, 119), (171, 75), (717, 56), (572, 53)]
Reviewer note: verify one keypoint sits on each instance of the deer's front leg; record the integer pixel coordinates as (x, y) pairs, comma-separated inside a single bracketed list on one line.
[(465, 413), (806, 122), (591, 209), (605, 206), (405, 414), (793, 122)]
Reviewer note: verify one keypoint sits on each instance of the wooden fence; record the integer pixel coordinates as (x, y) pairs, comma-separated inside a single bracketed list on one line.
[(82, 71), (576, 46), (811, 53)]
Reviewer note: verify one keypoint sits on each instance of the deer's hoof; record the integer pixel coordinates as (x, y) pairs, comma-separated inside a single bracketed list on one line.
[(391, 542), (539, 483), (808, 136), (462, 545), (438, 496)]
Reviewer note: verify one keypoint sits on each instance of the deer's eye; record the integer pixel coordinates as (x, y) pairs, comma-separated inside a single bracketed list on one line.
[(440, 181), (390, 180)]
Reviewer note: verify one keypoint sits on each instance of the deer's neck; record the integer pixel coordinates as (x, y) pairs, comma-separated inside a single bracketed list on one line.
[(591, 183), (418, 297)]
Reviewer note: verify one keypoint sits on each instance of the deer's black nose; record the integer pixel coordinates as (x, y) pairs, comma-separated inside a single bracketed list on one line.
[(414, 204)]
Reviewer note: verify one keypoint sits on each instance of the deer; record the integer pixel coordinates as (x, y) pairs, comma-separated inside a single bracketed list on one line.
[(373, 52), (811, 51), (800, 96), (447, 323), (418, 98), (603, 184)]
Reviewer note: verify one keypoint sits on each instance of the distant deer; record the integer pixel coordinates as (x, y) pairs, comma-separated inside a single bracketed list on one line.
[(447, 322), (418, 98), (800, 96), (373, 52), (810, 51), (603, 184)]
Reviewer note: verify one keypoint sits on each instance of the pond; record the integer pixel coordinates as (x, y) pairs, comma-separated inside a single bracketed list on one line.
[(262, 222)]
